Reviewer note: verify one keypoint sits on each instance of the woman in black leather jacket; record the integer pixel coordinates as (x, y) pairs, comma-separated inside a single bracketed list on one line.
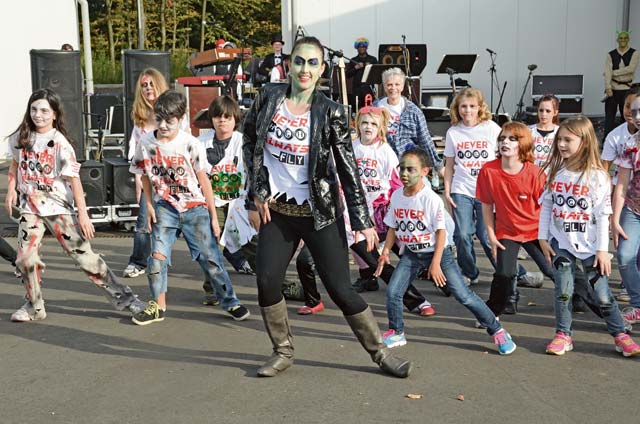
[(296, 144)]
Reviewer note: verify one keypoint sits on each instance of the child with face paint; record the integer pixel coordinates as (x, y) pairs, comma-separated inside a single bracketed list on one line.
[(511, 185), (416, 217), (46, 175), (178, 193), (626, 215), (574, 227)]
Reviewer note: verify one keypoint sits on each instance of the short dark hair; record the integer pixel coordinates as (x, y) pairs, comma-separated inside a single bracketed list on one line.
[(170, 104), (420, 154), (308, 40), (224, 106)]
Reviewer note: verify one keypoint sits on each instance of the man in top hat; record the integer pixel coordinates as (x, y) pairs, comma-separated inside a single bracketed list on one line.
[(355, 69), (277, 58)]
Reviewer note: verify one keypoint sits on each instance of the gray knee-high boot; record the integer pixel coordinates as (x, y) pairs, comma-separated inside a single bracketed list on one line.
[(277, 325), (366, 329)]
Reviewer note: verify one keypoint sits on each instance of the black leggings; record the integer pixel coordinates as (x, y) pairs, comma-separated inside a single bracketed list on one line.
[(279, 239)]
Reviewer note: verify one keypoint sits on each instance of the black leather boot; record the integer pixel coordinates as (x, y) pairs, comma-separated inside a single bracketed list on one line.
[(366, 329), (277, 324)]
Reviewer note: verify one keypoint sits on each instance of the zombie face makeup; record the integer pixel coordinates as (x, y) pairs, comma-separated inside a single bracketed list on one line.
[(411, 171), (508, 144), (306, 67), (468, 110), (369, 129), (167, 128), (623, 40), (634, 112), (42, 115), (148, 89)]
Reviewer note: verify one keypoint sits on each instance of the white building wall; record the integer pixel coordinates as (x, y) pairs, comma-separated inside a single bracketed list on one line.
[(27, 25), (560, 36)]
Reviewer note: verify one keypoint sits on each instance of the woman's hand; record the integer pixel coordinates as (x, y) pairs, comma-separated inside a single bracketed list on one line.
[(263, 210), (254, 220), (547, 251), (370, 236), (603, 261), (86, 226)]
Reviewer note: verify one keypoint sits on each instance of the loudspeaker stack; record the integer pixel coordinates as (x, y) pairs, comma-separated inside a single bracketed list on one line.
[(121, 185), (61, 72)]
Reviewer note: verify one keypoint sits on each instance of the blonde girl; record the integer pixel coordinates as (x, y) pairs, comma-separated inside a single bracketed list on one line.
[(574, 227)]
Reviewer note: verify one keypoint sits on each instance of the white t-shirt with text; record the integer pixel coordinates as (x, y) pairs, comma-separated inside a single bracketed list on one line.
[(542, 144), (394, 111), (376, 164)]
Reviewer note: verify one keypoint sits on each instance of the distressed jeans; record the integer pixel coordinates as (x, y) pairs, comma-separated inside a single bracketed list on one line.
[(141, 238), (195, 225), (564, 264), (65, 229), (628, 254)]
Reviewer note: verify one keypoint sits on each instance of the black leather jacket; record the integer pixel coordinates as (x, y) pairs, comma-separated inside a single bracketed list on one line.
[(329, 134)]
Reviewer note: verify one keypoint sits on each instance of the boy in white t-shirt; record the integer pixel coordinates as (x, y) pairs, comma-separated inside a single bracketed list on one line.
[(174, 168), (416, 217)]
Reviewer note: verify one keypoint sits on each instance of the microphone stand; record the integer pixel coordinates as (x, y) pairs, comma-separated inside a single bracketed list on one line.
[(494, 79), (407, 69), (333, 53), (519, 112)]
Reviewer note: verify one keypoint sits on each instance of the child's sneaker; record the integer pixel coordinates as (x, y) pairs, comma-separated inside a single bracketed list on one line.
[(132, 271), (623, 296), (426, 310), (28, 313), (506, 346), (626, 345), (210, 299), (560, 344), (137, 306), (153, 313), (239, 312), (631, 315), (393, 339)]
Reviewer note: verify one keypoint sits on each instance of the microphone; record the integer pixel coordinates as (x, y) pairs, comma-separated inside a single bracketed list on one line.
[(213, 22), (491, 51), (532, 67), (450, 71)]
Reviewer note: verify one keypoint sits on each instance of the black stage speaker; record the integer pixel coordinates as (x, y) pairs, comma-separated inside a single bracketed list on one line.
[(100, 104), (92, 178), (121, 184), (61, 72), (134, 62), (391, 54)]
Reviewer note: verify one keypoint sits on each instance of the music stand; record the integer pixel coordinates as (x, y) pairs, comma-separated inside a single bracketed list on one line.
[(373, 73), (456, 64)]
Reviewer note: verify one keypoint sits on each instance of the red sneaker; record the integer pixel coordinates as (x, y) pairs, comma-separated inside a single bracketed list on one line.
[(308, 310), (427, 311)]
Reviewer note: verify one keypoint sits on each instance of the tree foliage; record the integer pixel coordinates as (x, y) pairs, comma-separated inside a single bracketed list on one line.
[(177, 26)]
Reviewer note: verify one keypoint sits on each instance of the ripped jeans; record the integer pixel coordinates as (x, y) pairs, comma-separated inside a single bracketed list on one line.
[(564, 270), (195, 225), (64, 227)]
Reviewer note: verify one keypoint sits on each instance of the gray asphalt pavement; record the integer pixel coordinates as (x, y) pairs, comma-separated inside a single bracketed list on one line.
[(87, 363)]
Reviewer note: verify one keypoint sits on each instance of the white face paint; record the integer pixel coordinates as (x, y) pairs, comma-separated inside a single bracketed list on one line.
[(42, 115), (508, 144), (635, 112), (168, 128), (369, 129), (148, 90)]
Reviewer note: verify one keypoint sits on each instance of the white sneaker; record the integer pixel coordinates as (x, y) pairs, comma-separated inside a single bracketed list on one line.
[(522, 254), (132, 271), (28, 313)]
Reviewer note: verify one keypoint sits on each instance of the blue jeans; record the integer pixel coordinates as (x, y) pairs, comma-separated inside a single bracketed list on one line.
[(628, 254), (408, 268), (564, 270), (141, 238), (195, 225)]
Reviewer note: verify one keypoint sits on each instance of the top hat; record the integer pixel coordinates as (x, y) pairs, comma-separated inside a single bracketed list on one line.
[(277, 38)]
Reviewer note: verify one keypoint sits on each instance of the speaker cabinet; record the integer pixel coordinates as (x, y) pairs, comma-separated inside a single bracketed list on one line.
[(133, 63), (121, 184), (391, 54), (61, 72), (93, 183)]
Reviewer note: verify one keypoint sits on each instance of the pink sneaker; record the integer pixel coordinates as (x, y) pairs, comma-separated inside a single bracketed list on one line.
[(631, 314), (560, 344), (626, 345)]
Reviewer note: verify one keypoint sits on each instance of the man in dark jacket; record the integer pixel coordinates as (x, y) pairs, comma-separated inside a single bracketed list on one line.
[(273, 59)]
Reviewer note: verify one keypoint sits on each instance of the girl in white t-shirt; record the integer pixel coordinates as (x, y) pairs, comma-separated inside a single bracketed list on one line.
[(45, 173), (470, 143), (544, 131), (417, 217), (574, 227)]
